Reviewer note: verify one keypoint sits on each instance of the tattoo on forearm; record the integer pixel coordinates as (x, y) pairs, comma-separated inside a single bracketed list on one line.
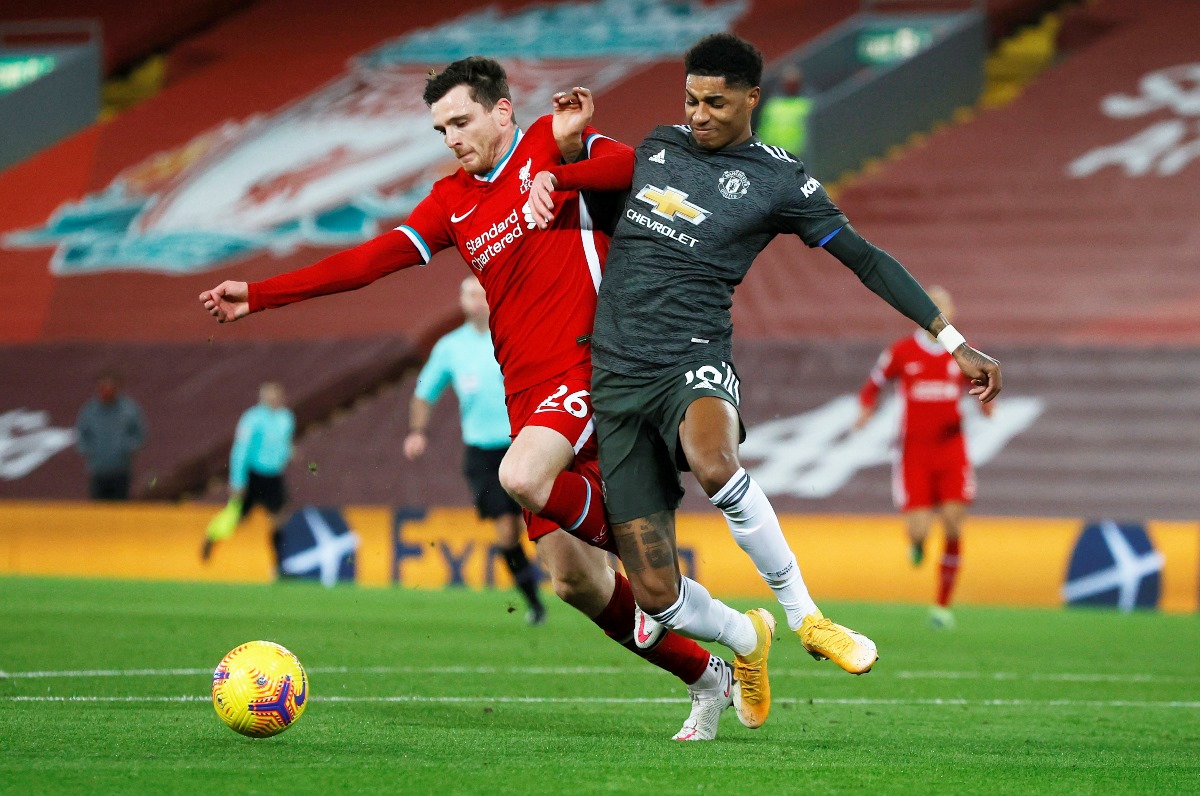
[(976, 358), (937, 325)]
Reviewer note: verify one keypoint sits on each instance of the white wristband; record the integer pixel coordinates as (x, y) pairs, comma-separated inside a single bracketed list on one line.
[(950, 338)]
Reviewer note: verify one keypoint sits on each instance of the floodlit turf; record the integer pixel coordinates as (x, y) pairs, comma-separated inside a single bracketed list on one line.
[(449, 692)]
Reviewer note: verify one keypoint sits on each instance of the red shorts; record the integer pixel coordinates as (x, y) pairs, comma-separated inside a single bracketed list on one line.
[(923, 478), (564, 404)]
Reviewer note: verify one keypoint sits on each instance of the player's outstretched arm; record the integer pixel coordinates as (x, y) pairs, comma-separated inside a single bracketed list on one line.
[(227, 301), (346, 270), (982, 370), (609, 167), (888, 279)]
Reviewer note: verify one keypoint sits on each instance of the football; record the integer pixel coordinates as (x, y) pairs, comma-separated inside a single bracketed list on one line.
[(259, 689)]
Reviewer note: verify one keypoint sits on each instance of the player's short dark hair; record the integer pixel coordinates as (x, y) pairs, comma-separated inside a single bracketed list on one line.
[(725, 55), (484, 77)]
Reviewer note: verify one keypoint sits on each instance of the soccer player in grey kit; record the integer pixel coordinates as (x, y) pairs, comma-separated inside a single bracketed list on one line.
[(705, 198)]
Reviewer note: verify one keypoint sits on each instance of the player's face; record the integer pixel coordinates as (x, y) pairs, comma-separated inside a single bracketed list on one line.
[(719, 114), (272, 395), (476, 135)]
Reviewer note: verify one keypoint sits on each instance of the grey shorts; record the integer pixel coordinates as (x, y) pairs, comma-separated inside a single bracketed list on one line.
[(637, 426)]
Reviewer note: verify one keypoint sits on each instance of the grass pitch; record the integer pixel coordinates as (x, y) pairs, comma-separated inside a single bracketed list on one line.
[(105, 689)]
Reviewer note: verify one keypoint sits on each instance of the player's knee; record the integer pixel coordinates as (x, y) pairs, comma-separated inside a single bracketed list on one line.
[(655, 595), (575, 587), (522, 483), (714, 469)]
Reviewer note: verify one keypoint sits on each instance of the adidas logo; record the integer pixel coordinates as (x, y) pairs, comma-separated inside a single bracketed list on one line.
[(661, 157)]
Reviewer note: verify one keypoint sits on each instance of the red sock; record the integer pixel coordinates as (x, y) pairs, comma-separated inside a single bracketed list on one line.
[(576, 505), (680, 656), (948, 572)]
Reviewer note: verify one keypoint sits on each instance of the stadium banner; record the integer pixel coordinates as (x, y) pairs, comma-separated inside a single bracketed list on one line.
[(1006, 561)]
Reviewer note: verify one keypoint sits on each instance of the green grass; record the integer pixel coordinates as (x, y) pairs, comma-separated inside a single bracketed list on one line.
[(1030, 701)]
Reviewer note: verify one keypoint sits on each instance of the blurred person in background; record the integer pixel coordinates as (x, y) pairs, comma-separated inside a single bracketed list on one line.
[(783, 121), (262, 448), (109, 430), (541, 288), (465, 361), (932, 476)]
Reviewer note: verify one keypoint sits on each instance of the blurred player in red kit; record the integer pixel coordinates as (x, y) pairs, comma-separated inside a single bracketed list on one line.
[(932, 475), (541, 288)]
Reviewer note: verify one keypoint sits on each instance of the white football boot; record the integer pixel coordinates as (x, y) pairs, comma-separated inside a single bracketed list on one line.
[(707, 706)]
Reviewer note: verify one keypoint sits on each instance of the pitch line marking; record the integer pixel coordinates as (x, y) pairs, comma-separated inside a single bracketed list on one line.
[(1077, 677), (410, 698)]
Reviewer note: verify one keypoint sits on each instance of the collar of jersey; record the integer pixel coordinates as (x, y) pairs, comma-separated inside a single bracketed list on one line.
[(499, 167), (932, 346)]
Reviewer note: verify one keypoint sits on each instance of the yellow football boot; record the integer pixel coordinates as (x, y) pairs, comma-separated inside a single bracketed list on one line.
[(751, 689), (824, 639)]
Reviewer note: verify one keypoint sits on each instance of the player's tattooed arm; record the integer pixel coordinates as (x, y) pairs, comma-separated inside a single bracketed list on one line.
[(937, 324), (982, 370)]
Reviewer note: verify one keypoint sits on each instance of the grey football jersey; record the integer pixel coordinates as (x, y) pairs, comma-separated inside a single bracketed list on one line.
[(693, 224)]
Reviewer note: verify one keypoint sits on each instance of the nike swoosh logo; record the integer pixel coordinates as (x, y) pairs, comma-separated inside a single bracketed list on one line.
[(642, 635), (455, 219)]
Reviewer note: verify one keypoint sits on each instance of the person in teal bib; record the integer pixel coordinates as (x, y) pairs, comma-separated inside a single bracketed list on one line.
[(262, 448), (465, 361)]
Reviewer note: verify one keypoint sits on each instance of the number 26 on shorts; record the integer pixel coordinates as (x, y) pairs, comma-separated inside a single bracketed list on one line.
[(575, 404)]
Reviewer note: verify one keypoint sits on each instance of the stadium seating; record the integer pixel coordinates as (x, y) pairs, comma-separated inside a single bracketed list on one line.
[(1082, 285), (132, 29)]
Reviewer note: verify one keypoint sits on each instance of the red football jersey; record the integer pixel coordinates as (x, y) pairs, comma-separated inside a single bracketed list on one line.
[(540, 284), (929, 383)]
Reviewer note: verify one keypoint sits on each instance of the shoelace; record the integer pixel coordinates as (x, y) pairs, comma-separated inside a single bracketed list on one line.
[(751, 691), (826, 637)]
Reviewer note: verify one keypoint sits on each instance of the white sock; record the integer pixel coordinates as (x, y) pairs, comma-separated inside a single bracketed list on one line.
[(698, 615), (756, 529), (713, 675)]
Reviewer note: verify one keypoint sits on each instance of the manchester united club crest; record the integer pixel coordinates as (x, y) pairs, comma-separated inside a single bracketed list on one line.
[(734, 184)]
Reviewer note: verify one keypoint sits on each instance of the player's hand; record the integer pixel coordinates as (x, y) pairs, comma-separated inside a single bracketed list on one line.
[(227, 301), (865, 414), (539, 209), (414, 445), (572, 114), (982, 370)]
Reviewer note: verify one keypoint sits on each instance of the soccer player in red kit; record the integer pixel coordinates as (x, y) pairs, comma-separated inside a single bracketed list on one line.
[(932, 474), (541, 288)]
